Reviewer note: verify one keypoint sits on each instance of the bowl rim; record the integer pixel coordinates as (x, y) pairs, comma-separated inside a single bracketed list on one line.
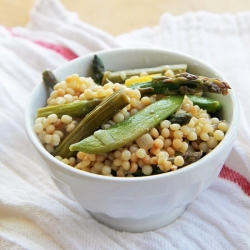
[(73, 171)]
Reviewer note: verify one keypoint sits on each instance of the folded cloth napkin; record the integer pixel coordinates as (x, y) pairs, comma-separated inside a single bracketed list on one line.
[(35, 215)]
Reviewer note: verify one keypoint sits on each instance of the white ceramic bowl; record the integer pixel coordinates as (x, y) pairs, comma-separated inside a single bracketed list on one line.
[(142, 203)]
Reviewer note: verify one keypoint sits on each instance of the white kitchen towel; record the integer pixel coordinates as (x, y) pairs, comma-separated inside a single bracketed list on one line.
[(35, 215)]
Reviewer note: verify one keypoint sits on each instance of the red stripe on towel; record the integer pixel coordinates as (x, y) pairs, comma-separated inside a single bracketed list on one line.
[(231, 175), (63, 51)]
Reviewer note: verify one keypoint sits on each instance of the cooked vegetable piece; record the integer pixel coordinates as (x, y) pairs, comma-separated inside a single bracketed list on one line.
[(183, 83), (100, 114), (97, 69), (121, 76), (74, 109), (205, 103), (156, 170), (49, 78), (132, 80), (117, 136), (180, 118), (145, 141), (189, 157)]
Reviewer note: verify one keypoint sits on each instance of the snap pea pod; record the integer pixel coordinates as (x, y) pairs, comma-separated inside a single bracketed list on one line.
[(92, 121), (207, 103), (117, 136), (74, 109), (121, 76), (183, 83)]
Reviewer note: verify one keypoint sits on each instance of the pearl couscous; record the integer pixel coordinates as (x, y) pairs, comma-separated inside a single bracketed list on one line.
[(164, 148)]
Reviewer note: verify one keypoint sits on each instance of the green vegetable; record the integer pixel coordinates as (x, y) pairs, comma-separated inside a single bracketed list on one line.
[(97, 69), (189, 157), (180, 118), (117, 136), (74, 109), (183, 83), (91, 122), (121, 76), (49, 78), (156, 170), (205, 103)]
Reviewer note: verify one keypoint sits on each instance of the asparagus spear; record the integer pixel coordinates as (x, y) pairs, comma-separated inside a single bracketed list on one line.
[(49, 78), (183, 83), (180, 118), (190, 157), (97, 69), (121, 76), (117, 136), (74, 109), (100, 114)]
